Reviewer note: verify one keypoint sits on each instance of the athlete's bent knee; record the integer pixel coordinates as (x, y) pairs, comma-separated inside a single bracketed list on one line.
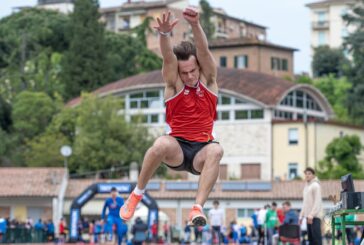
[(216, 151), (160, 147)]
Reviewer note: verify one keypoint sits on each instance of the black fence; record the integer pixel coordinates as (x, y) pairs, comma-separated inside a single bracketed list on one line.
[(25, 235)]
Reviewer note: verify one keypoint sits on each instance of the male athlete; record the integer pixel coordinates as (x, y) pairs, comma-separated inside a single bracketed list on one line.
[(189, 72), (114, 204)]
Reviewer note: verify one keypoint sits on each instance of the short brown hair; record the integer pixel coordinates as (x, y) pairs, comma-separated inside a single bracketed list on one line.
[(287, 203), (184, 50), (309, 169)]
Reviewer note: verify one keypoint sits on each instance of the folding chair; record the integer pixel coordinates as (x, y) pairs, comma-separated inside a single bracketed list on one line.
[(290, 234)]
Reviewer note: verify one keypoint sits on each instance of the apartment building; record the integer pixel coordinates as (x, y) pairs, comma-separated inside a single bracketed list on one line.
[(327, 25)]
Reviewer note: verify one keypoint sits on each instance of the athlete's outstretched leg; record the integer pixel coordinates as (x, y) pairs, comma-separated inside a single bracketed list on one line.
[(207, 161), (165, 149)]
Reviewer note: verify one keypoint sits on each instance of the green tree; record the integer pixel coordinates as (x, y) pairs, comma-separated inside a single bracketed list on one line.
[(84, 66), (128, 56), (104, 139), (341, 158), (44, 150), (143, 29), (205, 19), (354, 43), (328, 61), (98, 134), (336, 92), (25, 37), (32, 112)]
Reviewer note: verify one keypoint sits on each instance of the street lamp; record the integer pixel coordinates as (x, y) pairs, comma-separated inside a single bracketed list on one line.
[(66, 151)]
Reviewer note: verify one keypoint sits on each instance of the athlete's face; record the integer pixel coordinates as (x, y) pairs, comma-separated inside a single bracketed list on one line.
[(189, 71), (114, 194)]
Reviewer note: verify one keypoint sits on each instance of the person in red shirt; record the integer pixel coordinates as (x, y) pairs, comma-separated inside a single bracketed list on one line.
[(189, 72), (62, 230), (280, 214)]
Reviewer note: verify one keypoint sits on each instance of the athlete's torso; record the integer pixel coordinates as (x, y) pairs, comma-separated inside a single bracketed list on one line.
[(190, 113), (114, 205)]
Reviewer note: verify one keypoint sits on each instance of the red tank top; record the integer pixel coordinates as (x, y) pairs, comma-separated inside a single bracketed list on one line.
[(190, 114)]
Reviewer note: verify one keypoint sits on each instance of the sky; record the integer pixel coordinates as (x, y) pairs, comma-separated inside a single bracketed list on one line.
[(287, 21)]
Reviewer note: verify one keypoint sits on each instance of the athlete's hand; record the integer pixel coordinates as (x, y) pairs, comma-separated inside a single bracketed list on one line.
[(165, 24), (191, 15)]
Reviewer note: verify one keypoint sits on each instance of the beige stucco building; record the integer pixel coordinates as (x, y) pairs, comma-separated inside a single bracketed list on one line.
[(297, 145)]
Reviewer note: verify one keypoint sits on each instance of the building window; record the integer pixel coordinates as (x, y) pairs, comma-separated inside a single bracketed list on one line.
[(241, 61), (146, 118), (321, 16), (284, 64), (241, 114), (322, 38), (279, 64), (145, 99), (301, 99), (223, 62), (224, 100), (224, 115), (293, 136), (256, 114), (292, 170)]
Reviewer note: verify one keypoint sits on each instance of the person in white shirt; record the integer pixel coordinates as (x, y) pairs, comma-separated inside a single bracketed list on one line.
[(261, 220), (216, 217)]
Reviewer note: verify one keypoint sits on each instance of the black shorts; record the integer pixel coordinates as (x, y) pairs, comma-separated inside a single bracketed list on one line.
[(189, 149)]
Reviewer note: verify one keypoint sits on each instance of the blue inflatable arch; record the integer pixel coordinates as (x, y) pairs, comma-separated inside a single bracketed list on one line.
[(104, 188)]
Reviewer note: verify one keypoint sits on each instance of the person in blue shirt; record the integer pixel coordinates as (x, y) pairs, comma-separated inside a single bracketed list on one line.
[(114, 204), (290, 216)]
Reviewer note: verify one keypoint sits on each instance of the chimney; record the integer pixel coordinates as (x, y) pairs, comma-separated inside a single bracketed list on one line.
[(129, 1)]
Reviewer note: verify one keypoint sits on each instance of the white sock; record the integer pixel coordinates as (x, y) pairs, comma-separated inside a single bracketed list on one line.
[(198, 205), (138, 191)]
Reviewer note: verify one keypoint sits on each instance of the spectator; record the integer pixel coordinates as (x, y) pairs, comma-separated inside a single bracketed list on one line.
[(312, 206), (290, 216), (166, 231), (261, 220), (139, 231), (39, 231), (271, 222), (187, 230), (154, 231), (255, 226), (97, 231), (280, 215), (91, 231), (216, 217), (3, 228), (62, 230), (50, 230), (198, 233)]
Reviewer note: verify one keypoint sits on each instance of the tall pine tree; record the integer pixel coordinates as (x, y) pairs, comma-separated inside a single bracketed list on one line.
[(355, 43), (206, 23), (85, 65)]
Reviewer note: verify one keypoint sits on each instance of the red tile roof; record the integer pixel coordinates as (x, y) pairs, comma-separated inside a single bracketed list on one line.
[(243, 42), (40, 182), (284, 190), (263, 88)]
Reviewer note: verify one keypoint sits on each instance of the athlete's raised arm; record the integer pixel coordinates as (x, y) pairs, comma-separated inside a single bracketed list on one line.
[(170, 65), (204, 56)]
